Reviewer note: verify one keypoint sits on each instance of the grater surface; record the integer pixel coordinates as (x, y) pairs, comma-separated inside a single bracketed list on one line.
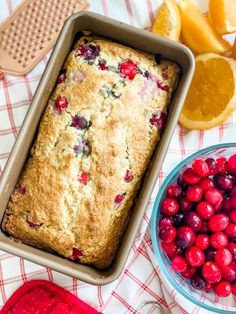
[(31, 30)]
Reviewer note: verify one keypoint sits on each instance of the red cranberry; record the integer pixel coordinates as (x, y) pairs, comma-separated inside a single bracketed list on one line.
[(213, 196), (62, 77), (219, 240), (169, 207), (206, 183), (205, 210), (211, 272), (208, 287), (194, 193), (226, 205), (182, 183), (233, 200), (174, 191), (179, 264), (232, 163), (200, 167), (223, 193), (233, 175), (128, 69), (233, 190), (232, 216), (171, 249), (222, 164), (193, 221), (158, 120), (222, 289), (33, 225), (102, 65), (76, 254), (78, 149), (165, 74), (119, 198), (185, 204), (165, 222), (204, 228), (128, 176), (223, 257), (178, 220), (212, 165), (198, 282), (223, 181), (210, 254), (194, 256), (60, 104), (202, 241), (217, 207), (230, 231), (233, 264), (218, 222), (21, 189), (190, 177), (234, 288), (167, 234), (87, 51), (228, 273), (185, 237), (232, 248), (83, 147), (84, 178), (189, 272), (79, 122), (162, 86)]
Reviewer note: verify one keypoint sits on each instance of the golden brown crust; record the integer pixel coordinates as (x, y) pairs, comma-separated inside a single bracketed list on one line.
[(52, 206)]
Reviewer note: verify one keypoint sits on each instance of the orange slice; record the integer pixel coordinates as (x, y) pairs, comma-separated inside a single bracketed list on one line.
[(197, 31), (211, 98), (168, 21), (223, 15)]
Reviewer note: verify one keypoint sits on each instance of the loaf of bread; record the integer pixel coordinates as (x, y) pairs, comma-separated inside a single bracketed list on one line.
[(95, 140)]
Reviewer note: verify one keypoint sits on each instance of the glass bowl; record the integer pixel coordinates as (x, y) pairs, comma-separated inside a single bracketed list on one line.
[(205, 300)]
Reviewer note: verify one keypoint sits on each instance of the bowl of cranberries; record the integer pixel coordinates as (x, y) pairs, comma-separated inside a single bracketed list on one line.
[(194, 228)]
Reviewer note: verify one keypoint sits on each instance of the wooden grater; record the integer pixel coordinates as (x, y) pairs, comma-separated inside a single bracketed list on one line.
[(31, 30)]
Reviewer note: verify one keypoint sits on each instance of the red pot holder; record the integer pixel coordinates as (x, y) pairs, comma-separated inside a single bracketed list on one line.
[(45, 297)]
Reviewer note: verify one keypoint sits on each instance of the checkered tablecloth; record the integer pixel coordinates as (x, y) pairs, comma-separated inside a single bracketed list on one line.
[(140, 280)]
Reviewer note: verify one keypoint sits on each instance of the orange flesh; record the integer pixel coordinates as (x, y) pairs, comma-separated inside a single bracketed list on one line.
[(210, 92), (197, 32)]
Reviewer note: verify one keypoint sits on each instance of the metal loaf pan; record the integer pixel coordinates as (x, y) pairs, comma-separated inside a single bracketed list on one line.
[(126, 35)]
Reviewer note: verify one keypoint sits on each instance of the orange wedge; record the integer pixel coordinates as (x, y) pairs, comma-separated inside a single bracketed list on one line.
[(211, 98), (197, 31), (223, 15), (168, 21)]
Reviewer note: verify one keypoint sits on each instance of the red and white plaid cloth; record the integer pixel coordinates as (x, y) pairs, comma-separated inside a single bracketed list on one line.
[(140, 280)]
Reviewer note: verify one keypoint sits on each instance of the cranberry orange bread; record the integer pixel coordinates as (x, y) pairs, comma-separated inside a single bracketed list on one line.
[(95, 140)]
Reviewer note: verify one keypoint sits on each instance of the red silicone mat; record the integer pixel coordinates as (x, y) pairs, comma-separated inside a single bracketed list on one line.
[(45, 297)]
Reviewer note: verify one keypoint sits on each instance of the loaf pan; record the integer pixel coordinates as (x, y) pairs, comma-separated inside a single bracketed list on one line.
[(127, 35)]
